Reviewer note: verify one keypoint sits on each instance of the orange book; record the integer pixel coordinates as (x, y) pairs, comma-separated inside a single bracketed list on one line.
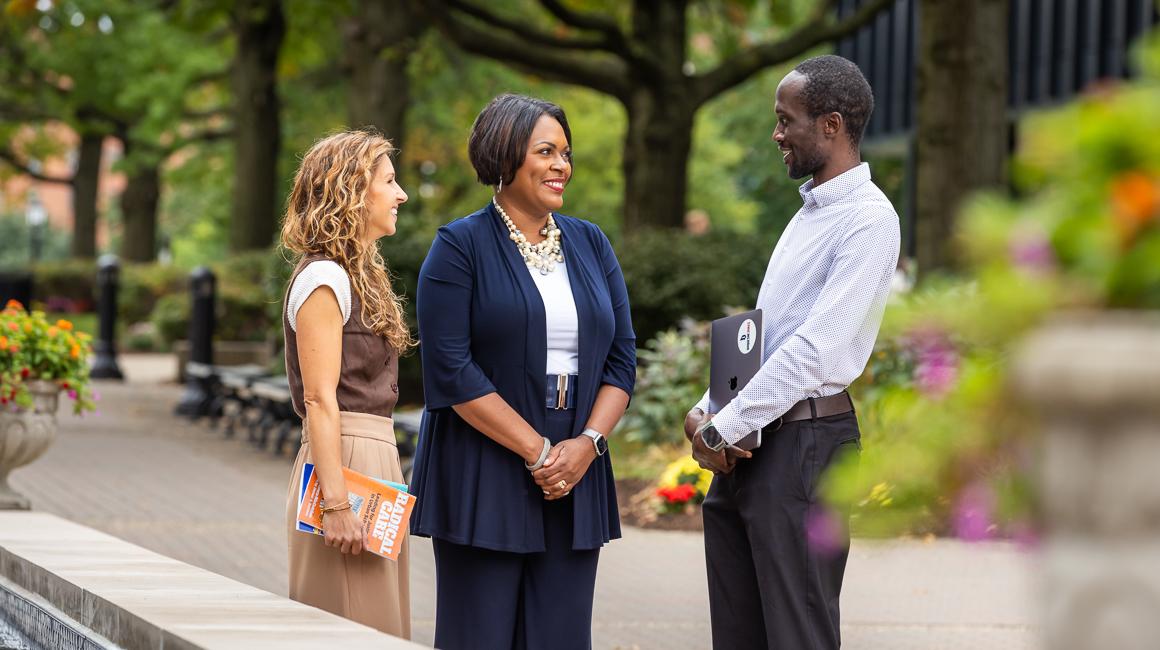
[(385, 511)]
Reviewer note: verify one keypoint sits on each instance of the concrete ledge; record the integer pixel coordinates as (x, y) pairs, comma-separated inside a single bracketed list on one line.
[(139, 599)]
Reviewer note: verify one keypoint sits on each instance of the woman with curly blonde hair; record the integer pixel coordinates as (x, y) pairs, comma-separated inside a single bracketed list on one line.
[(344, 332)]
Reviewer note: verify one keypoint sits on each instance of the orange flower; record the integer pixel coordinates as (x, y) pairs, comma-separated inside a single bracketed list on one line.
[(52, 331), (14, 304), (28, 327), (3, 343), (1135, 201), (13, 326), (64, 325), (74, 351), (20, 8)]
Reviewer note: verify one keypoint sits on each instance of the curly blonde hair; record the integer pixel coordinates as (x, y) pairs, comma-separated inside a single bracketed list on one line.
[(326, 216)]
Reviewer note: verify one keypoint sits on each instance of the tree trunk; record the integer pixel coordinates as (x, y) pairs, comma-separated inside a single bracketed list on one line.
[(260, 27), (378, 38), (84, 200), (139, 213), (961, 127), (656, 159), (660, 119)]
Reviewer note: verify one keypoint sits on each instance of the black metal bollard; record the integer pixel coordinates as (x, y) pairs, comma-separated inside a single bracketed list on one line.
[(199, 374), (105, 347)]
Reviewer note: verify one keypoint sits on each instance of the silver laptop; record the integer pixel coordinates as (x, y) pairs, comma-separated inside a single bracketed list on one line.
[(735, 356)]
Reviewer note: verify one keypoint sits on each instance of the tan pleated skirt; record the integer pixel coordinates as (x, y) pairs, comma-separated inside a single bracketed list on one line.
[(365, 588)]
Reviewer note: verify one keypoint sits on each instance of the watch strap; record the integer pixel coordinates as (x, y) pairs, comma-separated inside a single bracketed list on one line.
[(596, 438), (711, 437)]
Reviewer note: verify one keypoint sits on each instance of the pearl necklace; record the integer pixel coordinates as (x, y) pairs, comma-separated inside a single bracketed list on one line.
[(542, 256)]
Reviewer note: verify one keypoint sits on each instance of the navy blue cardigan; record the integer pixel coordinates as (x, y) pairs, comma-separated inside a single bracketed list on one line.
[(482, 329)]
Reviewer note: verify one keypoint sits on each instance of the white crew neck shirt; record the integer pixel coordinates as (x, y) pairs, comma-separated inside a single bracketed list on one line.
[(562, 322)]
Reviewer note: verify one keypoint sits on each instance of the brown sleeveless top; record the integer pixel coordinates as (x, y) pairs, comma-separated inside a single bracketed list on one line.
[(369, 379)]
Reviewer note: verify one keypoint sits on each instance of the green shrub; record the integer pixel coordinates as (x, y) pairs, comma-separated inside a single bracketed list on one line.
[(142, 285), (672, 373), (404, 257), (170, 318), (673, 275), (67, 286), (248, 303)]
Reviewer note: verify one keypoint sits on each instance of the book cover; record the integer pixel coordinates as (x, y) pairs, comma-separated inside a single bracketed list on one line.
[(384, 507)]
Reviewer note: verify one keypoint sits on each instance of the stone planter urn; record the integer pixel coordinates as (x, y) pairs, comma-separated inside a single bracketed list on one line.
[(1094, 381), (25, 434)]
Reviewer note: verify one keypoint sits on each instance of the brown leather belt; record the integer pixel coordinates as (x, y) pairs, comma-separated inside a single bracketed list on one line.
[(815, 407)]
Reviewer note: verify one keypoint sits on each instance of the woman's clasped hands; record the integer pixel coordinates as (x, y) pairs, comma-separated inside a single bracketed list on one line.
[(566, 464)]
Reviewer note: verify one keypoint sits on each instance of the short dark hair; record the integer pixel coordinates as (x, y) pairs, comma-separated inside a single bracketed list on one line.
[(835, 85), (499, 137)]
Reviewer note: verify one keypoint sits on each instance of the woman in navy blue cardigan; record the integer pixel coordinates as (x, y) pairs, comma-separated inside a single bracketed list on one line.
[(529, 361)]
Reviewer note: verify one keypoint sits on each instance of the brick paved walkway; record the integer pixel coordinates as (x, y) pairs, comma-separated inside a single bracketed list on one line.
[(177, 488)]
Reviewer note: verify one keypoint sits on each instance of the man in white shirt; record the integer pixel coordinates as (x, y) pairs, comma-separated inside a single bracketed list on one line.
[(771, 585)]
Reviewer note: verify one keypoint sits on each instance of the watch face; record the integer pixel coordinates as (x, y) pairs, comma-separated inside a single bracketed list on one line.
[(601, 445), (711, 437)]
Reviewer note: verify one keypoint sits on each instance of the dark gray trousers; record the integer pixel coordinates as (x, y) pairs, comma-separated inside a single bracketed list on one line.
[(775, 556)]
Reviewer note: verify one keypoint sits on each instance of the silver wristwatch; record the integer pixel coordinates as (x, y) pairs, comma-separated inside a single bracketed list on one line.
[(598, 440), (711, 437)]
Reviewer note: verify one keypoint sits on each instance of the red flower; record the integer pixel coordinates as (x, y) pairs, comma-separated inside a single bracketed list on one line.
[(64, 385), (24, 372), (678, 493)]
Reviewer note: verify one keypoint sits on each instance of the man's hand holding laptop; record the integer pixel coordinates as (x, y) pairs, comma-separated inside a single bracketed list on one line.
[(718, 462)]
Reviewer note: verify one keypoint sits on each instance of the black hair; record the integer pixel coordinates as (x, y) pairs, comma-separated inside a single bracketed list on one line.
[(836, 85), (499, 137)]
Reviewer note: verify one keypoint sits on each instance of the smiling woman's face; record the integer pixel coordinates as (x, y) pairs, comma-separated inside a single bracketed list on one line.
[(539, 183)]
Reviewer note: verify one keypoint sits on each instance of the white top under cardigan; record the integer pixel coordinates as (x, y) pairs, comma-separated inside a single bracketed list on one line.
[(312, 276), (560, 316)]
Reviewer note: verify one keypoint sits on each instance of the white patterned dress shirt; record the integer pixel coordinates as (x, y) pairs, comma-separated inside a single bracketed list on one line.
[(822, 300)]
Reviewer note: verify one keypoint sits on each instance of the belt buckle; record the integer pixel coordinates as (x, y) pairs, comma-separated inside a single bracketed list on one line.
[(561, 391)]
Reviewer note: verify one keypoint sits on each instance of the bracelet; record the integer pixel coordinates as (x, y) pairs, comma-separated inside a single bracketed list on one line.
[(338, 508), (543, 457)]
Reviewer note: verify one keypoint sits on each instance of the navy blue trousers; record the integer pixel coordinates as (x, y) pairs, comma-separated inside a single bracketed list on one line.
[(494, 599)]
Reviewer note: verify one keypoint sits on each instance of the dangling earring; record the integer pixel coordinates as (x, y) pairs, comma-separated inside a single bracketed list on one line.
[(500, 188)]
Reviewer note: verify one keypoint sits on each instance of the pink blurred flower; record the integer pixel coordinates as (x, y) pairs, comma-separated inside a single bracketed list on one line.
[(936, 365), (1032, 253), (974, 513), (72, 394), (825, 532)]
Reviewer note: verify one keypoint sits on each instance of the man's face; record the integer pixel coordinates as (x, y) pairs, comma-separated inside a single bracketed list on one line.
[(798, 137)]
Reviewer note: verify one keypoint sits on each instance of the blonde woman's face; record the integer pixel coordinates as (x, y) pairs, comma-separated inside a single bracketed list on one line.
[(383, 200)]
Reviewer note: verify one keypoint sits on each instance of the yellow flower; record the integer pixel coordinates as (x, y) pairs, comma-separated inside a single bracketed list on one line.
[(686, 466)]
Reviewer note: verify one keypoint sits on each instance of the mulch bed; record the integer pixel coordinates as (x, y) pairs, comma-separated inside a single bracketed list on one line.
[(638, 507)]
